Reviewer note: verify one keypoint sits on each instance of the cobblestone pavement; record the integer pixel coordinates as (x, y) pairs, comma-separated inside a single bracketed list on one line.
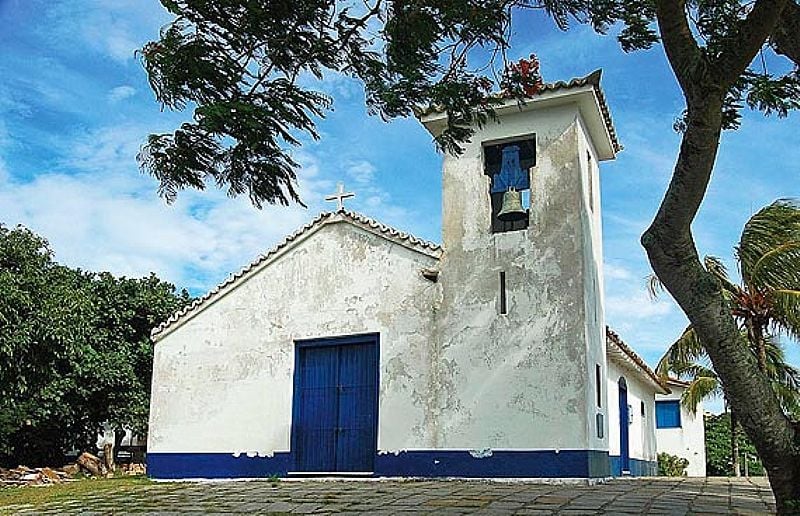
[(623, 496)]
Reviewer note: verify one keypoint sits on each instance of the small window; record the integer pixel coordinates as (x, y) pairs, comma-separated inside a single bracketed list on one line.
[(591, 180), (668, 414), (598, 385), (598, 419), (643, 410)]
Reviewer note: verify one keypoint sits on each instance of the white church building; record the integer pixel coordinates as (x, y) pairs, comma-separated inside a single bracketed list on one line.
[(352, 348)]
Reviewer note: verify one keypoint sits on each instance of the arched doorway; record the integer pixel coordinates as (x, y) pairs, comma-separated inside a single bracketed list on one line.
[(624, 417)]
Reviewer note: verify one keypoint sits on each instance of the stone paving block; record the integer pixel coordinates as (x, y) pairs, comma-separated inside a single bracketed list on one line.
[(654, 496)]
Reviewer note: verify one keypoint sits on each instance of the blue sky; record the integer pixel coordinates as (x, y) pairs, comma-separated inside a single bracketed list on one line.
[(75, 106)]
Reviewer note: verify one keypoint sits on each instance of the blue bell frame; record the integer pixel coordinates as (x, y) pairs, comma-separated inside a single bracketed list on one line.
[(511, 174)]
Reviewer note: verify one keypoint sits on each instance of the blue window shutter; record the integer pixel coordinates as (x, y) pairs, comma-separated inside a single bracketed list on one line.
[(668, 414)]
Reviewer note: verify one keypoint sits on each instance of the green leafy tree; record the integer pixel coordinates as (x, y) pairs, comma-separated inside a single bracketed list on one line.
[(75, 350), (719, 461), (247, 69)]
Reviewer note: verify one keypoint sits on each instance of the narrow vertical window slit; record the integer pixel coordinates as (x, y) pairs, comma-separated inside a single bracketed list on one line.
[(598, 384), (503, 306)]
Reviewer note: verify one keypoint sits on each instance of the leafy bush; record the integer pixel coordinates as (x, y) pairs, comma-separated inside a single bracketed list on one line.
[(672, 465), (75, 350)]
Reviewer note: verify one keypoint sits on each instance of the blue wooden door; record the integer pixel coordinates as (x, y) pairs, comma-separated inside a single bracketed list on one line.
[(315, 394), (624, 418), (356, 442), (335, 405)]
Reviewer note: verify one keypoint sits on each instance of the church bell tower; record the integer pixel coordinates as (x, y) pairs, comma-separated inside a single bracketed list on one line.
[(521, 332)]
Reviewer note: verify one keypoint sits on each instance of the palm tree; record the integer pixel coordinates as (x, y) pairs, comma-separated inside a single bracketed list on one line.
[(686, 359), (768, 254), (766, 305)]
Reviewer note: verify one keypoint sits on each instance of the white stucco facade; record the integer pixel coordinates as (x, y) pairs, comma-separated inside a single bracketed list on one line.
[(688, 440), (554, 302), (641, 426), (465, 388), (222, 380)]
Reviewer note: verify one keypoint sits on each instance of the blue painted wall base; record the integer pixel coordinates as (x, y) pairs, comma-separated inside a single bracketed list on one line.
[(417, 463), (639, 467), (215, 465)]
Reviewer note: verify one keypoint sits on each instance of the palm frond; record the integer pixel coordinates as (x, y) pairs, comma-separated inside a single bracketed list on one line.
[(778, 268), (789, 398), (717, 269), (701, 388), (786, 311), (770, 228), (785, 374), (654, 286), (681, 354)]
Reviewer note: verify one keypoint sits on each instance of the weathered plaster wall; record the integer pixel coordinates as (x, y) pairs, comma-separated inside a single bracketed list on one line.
[(222, 382), (591, 223), (641, 431), (517, 380), (688, 441)]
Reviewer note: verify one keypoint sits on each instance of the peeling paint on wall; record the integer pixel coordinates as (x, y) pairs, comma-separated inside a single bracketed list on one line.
[(481, 454), (455, 373)]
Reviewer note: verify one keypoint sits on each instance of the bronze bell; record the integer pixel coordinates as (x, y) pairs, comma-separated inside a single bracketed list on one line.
[(512, 209)]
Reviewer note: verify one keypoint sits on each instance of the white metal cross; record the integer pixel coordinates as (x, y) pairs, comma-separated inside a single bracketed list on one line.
[(340, 196)]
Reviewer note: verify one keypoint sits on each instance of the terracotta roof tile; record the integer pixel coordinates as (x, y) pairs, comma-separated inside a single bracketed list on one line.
[(615, 339), (593, 80)]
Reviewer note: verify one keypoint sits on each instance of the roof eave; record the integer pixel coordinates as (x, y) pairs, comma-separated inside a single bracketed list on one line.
[(634, 361), (585, 91)]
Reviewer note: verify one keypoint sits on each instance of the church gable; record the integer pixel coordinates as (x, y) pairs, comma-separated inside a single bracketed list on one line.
[(384, 235), (339, 276)]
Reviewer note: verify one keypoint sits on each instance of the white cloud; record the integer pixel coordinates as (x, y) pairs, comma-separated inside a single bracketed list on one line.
[(362, 172), (121, 93), (616, 272), (636, 304), (105, 215), (116, 29)]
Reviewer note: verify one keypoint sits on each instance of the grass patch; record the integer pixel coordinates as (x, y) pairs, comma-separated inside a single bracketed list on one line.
[(77, 490)]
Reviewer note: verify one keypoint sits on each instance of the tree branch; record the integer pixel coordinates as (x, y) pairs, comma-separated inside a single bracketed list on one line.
[(742, 46), (679, 44), (673, 256), (786, 36)]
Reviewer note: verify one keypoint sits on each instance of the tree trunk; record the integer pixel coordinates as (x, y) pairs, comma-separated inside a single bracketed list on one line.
[(755, 332), (108, 457), (737, 470), (674, 258)]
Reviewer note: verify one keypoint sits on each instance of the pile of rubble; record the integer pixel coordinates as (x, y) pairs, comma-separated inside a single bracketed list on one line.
[(133, 469), (23, 475), (87, 464)]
